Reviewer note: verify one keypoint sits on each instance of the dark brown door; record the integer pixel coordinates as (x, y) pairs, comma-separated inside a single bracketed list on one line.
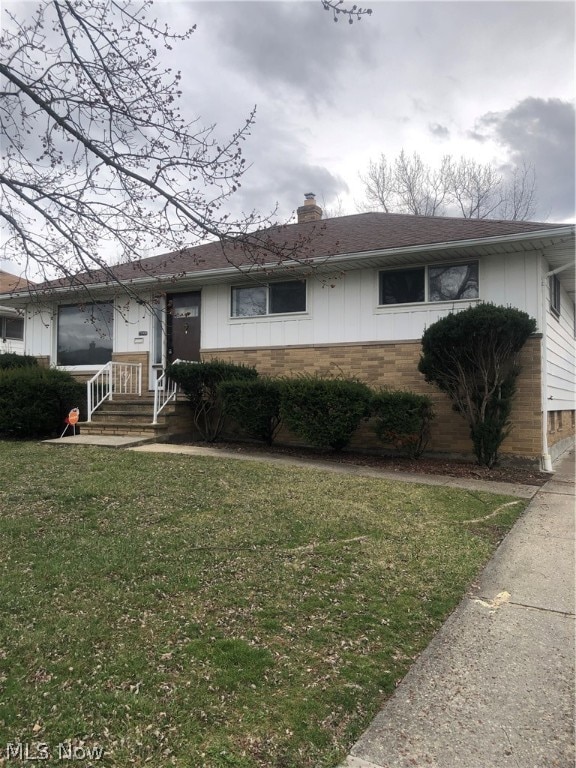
[(183, 326)]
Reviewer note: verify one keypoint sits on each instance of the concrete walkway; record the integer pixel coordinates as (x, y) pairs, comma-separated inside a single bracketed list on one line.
[(495, 688), (104, 441), (509, 489)]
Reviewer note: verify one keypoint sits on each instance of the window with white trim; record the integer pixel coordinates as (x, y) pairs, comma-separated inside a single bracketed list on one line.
[(271, 299), (554, 286), (11, 328), (85, 334), (440, 282)]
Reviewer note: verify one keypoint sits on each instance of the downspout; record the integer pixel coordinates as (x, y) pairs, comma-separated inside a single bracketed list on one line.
[(546, 458)]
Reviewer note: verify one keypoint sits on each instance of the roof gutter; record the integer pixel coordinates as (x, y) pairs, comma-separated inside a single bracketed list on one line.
[(501, 239), (222, 272)]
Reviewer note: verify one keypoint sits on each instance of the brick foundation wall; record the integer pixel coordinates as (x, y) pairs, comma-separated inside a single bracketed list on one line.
[(394, 365), (135, 357)]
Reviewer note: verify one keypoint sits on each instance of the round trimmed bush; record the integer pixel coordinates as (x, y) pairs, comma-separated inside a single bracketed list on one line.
[(324, 412), (35, 401)]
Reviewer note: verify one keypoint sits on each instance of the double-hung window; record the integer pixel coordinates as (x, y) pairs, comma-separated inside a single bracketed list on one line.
[(272, 299), (445, 282)]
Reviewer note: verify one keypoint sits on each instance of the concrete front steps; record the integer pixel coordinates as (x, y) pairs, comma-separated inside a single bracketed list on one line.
[(132, 417)]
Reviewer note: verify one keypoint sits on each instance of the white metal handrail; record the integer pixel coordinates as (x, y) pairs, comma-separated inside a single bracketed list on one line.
[(165, 392), (113, 378)]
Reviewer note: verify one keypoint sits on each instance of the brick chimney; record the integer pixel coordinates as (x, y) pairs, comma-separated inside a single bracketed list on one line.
[(309, 211)]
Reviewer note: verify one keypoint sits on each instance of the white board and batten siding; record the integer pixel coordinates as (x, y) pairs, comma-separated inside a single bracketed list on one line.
[(561, 373), (348, 312), (39, 331), (130, 319), (11, 346)]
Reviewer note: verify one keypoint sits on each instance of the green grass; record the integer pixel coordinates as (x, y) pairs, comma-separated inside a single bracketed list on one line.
[(197, 612)]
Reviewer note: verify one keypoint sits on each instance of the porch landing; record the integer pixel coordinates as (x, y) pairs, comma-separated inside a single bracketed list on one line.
[(108, 441)]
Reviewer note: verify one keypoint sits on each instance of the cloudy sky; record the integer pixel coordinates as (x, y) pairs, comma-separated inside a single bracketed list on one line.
[(492, 80)]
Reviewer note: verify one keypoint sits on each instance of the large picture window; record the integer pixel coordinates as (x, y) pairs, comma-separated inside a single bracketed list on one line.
[(273, 299), (446, 282), (85, 334)]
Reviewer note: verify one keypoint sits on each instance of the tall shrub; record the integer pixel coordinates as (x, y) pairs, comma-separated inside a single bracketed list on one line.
[(200, 382), (402, 419), (254, 404), (34, 401), (324, 412), (473, 357)]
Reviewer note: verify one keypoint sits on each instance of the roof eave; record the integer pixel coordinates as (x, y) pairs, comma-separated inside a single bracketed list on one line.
[(222, 273)]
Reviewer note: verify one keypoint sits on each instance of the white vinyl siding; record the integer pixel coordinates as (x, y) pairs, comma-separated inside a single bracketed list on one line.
[(561, 374), (11, 332), (348, 310)]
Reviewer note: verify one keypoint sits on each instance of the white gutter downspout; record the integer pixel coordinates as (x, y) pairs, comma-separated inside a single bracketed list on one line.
[(546, 458)]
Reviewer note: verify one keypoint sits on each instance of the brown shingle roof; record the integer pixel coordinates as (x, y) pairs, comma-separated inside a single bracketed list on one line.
[(343, 235), (9, 282)]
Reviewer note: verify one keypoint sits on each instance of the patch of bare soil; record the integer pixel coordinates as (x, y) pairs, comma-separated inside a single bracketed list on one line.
[(421, 466)]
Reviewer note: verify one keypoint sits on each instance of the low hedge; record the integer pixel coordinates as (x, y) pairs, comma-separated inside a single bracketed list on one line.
[(200, 382), (254, 404), (324, 412), (10, 360), (402, 419), (35, 401)]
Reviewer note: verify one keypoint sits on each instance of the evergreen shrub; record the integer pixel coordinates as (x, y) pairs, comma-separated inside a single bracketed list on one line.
[(324, 412), (12, 360), (472, 356), (200, 382), (34, 401), (402, 419), (254, 404)]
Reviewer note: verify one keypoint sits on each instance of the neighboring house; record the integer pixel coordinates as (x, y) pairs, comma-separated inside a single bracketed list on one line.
[(356, 303), (11, 321)]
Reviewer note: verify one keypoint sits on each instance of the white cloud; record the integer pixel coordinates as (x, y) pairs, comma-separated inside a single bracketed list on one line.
[(415, 75), (422, 76)]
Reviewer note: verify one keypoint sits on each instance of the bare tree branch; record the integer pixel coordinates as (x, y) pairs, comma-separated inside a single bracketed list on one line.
[(379, 185), (96, 150), (98, 156), (339, 9)]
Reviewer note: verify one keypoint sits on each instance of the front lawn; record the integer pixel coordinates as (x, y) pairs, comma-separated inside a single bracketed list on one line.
[(202, 613)]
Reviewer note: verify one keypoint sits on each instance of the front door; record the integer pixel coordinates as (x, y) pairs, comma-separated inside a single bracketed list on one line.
[(183, 321)]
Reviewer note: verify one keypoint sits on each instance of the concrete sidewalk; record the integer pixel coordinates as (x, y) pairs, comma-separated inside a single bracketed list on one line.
[(495, 688)]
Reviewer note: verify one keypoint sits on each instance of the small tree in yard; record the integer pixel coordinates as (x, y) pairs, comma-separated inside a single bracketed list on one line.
[(472, 356)]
